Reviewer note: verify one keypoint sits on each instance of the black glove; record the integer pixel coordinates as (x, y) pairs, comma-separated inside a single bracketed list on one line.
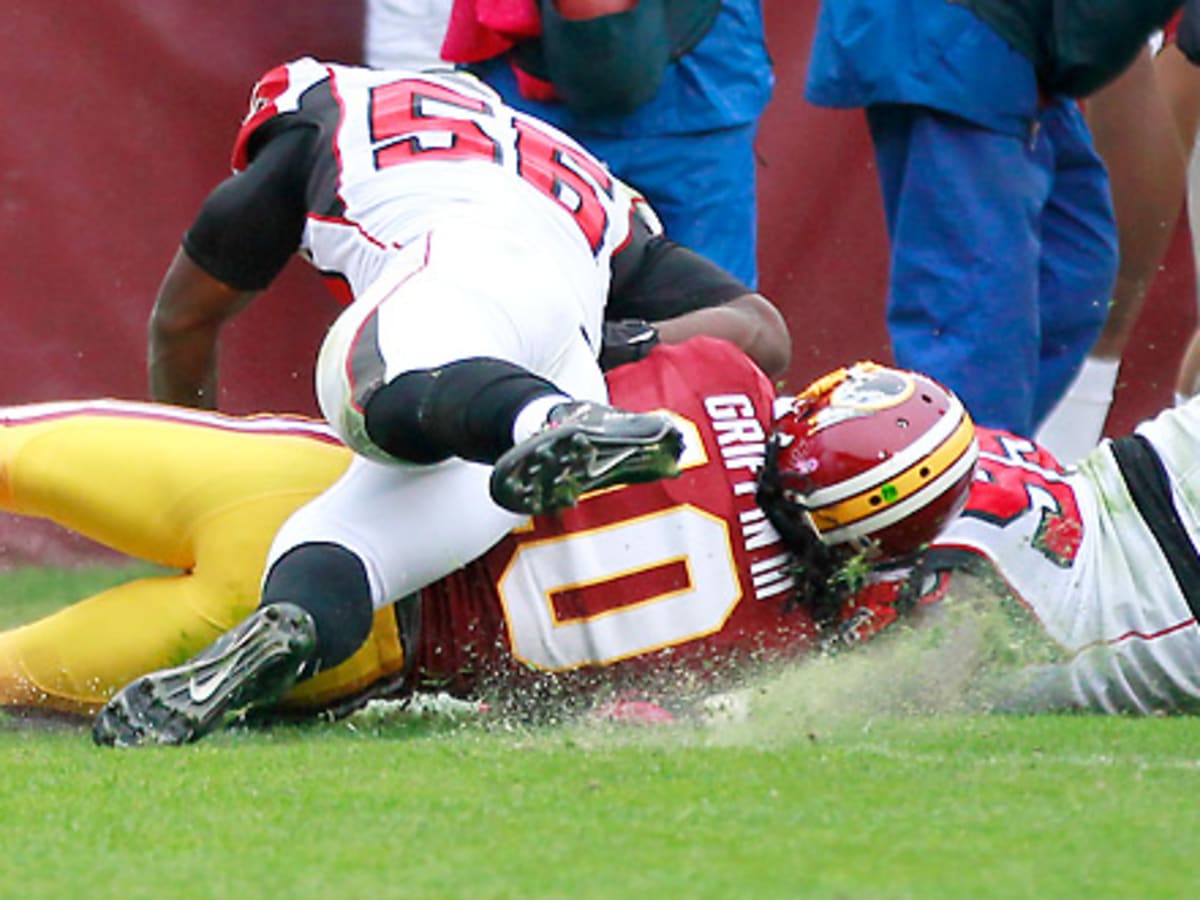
[(1187, 38), (626, 341)]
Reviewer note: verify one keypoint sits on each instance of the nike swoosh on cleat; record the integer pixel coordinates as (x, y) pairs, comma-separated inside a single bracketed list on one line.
[(200, 691), (594, 468)]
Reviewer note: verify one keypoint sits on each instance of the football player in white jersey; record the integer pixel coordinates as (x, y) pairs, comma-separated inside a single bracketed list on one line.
[(1102, 557), (478, 249)]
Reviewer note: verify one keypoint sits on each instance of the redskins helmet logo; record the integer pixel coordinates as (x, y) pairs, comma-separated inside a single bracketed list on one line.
[(863, 389), (870, 388)]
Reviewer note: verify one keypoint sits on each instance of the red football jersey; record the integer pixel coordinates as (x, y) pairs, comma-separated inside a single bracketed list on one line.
[(683, 577)]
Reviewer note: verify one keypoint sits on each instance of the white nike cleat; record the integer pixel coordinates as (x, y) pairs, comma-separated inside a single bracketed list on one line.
[(585, 446), (252, 664)]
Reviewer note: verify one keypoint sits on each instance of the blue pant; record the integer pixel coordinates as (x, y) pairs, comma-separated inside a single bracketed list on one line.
[(1004, 255), (701, 185)]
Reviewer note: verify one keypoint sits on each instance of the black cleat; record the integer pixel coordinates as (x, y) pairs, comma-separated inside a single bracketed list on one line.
[(585, 446), (252, 663)]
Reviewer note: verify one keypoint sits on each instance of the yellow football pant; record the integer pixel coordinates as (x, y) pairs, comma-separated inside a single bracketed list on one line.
[(196, 492)]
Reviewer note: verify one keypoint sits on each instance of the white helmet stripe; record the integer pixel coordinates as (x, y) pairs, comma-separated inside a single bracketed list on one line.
[(890, 468)]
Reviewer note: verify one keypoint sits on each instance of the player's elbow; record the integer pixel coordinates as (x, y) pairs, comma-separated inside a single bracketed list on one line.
[(167, 333), (770, 343), (162, 326)]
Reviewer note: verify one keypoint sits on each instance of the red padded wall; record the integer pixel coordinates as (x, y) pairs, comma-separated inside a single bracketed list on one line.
[(120, 118), (823, 249), (121, 114)]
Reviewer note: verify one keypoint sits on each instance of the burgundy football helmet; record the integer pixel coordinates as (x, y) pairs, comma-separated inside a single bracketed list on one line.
[(875, 455)]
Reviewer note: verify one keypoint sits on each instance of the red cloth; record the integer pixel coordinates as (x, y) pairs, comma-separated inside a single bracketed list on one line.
[(1172, 28), (482, 29)]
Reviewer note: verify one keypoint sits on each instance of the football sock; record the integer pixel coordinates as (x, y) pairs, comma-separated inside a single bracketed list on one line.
[(464, 408), (1075, 424), (533, 415), (330, 584)]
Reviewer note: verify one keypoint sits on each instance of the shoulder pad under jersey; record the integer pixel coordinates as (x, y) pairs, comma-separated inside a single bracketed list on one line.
[(276, 93)]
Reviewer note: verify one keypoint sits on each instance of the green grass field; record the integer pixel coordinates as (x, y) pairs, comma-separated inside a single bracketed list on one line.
[(824, 789)]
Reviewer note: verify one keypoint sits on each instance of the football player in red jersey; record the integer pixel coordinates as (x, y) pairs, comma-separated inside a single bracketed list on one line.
[(677, 579), (658, 579), (477, 246), (1101, 558)]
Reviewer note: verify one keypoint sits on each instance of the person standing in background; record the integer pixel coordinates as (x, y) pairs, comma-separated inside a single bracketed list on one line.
[(405, 34), (1003, 239), (1144, 125)]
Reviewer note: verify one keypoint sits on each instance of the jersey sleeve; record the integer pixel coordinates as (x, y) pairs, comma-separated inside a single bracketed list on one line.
[(654, 278), (276, 93), (250, 225)]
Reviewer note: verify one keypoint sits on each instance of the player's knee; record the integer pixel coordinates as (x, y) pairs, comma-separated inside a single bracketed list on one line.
[(465, 408), (392, 418), (330, 583)]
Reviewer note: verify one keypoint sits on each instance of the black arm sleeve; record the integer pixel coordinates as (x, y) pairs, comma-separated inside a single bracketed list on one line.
[(655, 278), (251, 223)]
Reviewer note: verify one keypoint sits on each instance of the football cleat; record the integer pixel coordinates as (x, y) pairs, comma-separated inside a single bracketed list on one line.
[(252, 664), (582, 447)]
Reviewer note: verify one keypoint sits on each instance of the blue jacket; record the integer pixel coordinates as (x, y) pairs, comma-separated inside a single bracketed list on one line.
[(932, 53)]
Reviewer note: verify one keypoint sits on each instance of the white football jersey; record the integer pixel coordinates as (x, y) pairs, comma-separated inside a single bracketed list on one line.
[(1100, 556), (402, 151)]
